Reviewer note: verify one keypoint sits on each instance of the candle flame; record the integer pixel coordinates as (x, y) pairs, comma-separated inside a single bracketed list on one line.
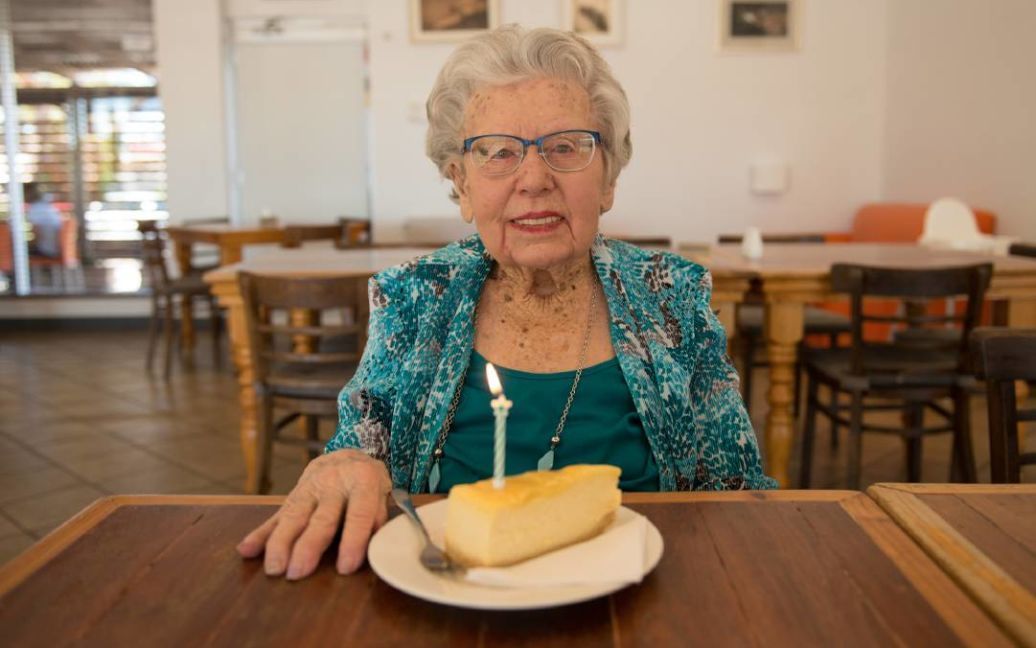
[(493, 379)]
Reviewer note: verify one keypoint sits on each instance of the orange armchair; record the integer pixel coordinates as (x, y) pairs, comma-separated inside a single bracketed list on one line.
[(902, 222)]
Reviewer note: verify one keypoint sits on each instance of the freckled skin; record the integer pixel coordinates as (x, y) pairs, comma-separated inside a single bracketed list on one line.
[(541, 284)]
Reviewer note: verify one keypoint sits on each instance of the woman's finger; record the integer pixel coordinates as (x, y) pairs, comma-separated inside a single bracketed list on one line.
[(366, 504), (323, 524), (291, 522), (253, 544)]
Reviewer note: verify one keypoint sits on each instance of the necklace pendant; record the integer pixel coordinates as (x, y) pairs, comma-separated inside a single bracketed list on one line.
[(433, 477), (546, 462)]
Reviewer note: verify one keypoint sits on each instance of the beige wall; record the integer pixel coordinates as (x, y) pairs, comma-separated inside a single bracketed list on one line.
[(190, 77), (700, 118), (885, 99), (961, 115)]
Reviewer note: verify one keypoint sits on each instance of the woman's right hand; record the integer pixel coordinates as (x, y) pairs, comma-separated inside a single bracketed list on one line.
[(345, 482)]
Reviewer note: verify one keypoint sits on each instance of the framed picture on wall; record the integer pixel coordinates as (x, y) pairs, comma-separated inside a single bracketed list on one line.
[(599, 21), (759, 24), (451, 20)]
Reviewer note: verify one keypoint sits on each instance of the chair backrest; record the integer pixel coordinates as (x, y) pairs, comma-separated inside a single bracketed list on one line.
[(355, 231), (805, 237), (6, 247), (647, 242), (903, 222), (1000, 356), (949, 220), (68, 240), (152, 253), (1023, 249), (912, 285), (303, 320), (296, 235)]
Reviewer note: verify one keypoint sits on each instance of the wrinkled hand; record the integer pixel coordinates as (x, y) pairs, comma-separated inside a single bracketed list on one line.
[(296, 535)]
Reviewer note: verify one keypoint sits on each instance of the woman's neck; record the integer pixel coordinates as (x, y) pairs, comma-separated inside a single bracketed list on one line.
[(542, 285)]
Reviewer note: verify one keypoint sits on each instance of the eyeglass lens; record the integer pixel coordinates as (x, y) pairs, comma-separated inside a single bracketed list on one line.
[(499, 154)]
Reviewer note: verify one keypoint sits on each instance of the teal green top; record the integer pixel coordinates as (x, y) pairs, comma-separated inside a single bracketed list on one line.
[(603, 426)]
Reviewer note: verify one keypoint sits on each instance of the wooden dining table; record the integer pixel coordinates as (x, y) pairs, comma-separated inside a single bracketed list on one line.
[(788, 276), (983, 535), (778, 568), (229, 239), (347, 265)]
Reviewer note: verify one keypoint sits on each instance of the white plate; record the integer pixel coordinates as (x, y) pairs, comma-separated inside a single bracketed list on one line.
[(393, 555)]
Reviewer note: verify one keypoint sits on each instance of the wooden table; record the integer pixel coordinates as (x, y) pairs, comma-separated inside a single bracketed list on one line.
[(230, 240), (355, 265), (983, 535), (791, 275), (782, 568)]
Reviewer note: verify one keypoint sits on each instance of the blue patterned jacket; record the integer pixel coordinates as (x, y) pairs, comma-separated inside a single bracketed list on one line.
[(670, 346)]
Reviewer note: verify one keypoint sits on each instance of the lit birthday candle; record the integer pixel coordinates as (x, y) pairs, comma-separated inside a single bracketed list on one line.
[(500, 406)]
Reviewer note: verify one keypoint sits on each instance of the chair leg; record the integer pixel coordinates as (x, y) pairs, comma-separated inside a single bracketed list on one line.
[(915, 421), (170, 334), (216, 322), (265, 434), (747, 359), (855, 439), (152, 333), (963, 463), (313, 434), (808, 432), (1003, 438), (834, 424), (797, 385)]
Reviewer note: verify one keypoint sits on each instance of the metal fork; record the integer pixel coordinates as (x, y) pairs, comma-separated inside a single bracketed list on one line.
[(433, 558)]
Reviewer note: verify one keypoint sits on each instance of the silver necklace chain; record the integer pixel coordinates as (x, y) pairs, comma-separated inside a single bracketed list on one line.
[(554, 440)]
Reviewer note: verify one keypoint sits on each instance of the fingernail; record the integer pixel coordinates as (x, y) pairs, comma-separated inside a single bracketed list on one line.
[(294, 572), (348, 565), (274, 568)]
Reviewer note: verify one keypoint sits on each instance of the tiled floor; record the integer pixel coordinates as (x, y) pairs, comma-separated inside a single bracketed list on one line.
[(80, 419)]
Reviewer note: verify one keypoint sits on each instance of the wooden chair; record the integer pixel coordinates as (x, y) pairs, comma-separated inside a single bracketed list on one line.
[(909, 374), (750, 329), (1023, 249), (304, 346), (646, 242), (66, 268), (296, 235), (205, 256), (166, 293), (1000, 356), (355, 232)]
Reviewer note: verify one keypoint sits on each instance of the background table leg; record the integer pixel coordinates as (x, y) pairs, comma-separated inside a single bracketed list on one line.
[(182, 251), (784, 330)]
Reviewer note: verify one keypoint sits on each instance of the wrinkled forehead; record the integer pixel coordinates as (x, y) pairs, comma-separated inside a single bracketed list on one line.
[(531, 99)]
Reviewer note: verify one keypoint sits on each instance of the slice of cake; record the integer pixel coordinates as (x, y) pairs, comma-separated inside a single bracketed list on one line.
[(533, 513)]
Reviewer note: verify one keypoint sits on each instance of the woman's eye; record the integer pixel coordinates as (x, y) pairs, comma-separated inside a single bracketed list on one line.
[(503, 154)]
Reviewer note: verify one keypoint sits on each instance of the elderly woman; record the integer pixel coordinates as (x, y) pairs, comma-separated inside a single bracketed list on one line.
[(611, 354)]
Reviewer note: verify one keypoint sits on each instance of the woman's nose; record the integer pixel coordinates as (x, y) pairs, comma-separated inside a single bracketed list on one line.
[(534, 176)]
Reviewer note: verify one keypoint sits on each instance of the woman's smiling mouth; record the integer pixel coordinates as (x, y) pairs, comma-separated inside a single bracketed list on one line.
[(535, 222)]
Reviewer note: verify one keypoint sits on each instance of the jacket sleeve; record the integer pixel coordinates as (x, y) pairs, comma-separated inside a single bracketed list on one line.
[(727, 449), (365, 404)]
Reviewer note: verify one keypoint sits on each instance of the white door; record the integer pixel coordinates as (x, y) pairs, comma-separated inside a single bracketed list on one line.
[(301, 127)]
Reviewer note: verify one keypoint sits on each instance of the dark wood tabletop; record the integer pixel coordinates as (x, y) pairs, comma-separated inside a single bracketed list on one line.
[(778, 568), (983, 535)]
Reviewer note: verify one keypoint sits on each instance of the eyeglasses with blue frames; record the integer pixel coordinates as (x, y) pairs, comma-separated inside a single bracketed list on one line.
[(570, 150)]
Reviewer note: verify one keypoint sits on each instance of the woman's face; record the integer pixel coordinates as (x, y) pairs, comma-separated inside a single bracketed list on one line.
[(535, 217)]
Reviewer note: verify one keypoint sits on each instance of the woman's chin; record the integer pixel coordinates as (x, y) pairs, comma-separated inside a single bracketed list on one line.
[(546, 255)]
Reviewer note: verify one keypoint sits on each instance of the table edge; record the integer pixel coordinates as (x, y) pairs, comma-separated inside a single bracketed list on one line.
[(25, 564), (1005, 600)]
